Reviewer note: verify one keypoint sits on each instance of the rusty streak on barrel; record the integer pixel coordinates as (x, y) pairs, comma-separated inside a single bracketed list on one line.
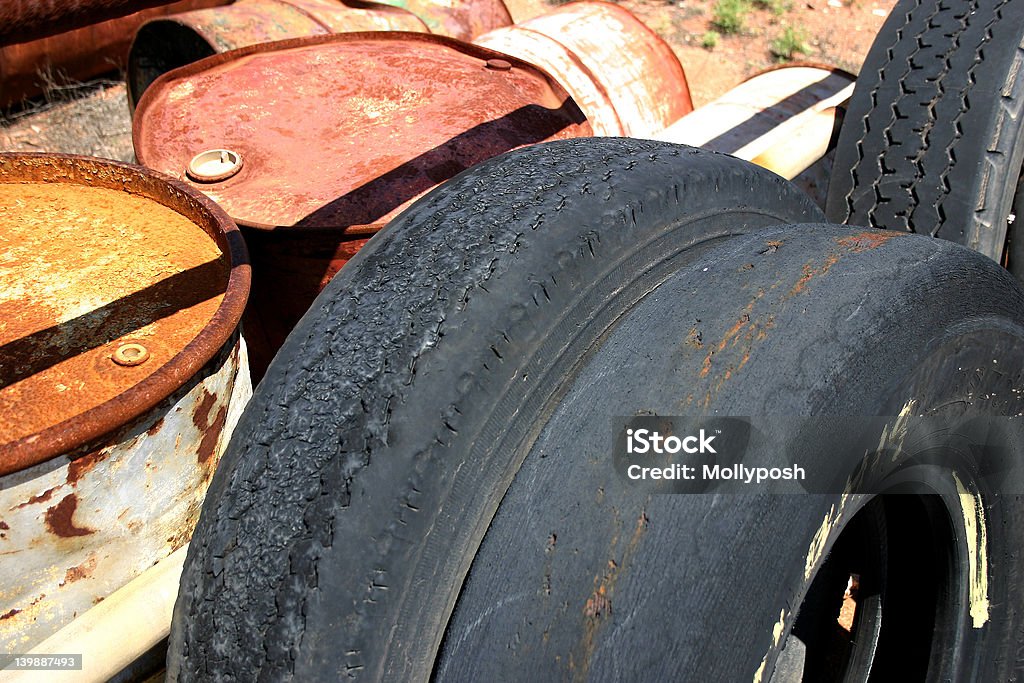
[(122, 374), (337, 134)]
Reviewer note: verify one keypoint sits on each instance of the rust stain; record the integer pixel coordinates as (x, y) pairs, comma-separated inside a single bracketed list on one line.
[(60, 518), (732, 336), (810, 273), (201, 418), (156, 427), (78, 467), (81, 571), (869, 239), (116, 267), (4, 526), (598, 606), (252, 22), (41, 498), (208, 445), (694, 339), (601, 50), (706, 368), (183, 531), (9, 613)]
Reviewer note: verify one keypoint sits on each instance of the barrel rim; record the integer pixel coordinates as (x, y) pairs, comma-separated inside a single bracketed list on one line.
[(90, 426)]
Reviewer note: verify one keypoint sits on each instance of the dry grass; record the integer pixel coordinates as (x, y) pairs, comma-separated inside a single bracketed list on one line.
[(73, 118)]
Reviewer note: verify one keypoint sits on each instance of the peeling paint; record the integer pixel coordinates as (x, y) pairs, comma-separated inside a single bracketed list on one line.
[(81, 571), (78, 467), (596, 50), (115, 510), (777, 631), (34, 500), (977, 553), (817, 548), (894, 435)]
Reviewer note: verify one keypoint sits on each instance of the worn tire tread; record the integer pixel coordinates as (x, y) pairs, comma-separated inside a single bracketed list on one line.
[(321, 417), (928, 143)]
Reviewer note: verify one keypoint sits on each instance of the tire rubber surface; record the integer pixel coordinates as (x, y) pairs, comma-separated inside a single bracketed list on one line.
[(932, 140), (370, 461)]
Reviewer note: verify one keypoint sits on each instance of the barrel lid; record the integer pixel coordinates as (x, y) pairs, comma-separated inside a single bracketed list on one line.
[(343, 131), (116, 287)]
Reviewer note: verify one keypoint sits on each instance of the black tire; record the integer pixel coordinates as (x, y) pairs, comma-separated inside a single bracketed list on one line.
[(932, 141), (367, 474), (582, 577), (363, 475)]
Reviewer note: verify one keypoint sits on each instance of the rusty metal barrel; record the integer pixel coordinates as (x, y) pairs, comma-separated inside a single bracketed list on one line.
[(624, 77), (167, 43), (23, 20), (122, 374), (465, 19), (80, 54), (311, 162)]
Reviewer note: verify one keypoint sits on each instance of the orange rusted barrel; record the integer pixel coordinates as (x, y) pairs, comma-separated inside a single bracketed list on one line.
[(80, 54), (327, 138), (625, 78), (122, 374), (164, 44)]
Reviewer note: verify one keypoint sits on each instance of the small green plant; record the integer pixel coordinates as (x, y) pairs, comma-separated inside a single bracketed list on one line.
[(710, 40), (788, 44), (776, 7), (728, 15)]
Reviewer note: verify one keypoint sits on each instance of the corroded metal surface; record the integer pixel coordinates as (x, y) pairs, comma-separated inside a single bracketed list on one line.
[(168, 43), (79, 55), (464, 19), (625, 78), (71, 299), (23, 20), (92, 492), (338, 134), (75, 528)]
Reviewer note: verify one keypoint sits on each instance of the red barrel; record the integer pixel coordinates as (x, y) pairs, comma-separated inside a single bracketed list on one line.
[(314, 144)]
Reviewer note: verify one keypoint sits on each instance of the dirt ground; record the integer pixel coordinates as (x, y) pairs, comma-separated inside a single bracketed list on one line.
[(93, 118)]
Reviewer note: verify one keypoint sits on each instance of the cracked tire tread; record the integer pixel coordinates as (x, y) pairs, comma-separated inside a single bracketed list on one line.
[(932, 140), (342, 485)]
